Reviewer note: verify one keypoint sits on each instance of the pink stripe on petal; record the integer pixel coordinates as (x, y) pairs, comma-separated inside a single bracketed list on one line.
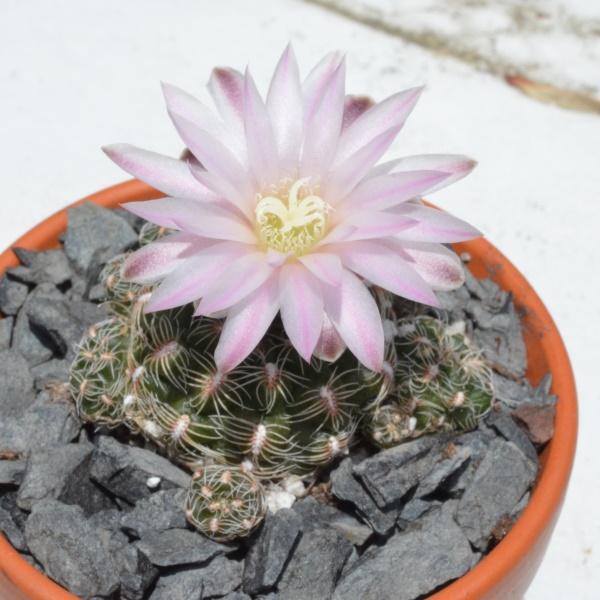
[(383, 266), (354, 106), (327, 267), (169, 175), (226, 87), (262, 149), (354, 314), (345, 177), (301, 305), (439, 267), (381, 193), (246, 324), (217, 226), (390, 113), (184, 106), (284, 103), (242, 278), (322, 131), (197, 274), (456, 165), (153, 262), (330, 346), (434, 225), (369, 225)]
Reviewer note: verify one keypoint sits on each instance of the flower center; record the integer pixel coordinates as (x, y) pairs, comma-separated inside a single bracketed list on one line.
[(293, 220)]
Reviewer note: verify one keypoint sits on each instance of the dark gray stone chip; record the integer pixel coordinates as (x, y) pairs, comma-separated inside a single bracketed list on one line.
[(12, 295), (46, 266)]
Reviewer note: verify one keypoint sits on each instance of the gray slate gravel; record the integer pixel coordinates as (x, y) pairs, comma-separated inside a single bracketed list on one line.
[(62, 540)]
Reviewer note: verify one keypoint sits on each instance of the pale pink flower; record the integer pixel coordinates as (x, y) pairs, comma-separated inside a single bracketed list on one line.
[(282, 209)]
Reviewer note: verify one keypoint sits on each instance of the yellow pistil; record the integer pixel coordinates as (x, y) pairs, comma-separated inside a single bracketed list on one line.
[(292, 221)]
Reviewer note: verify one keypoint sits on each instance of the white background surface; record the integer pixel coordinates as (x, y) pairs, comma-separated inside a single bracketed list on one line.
[(77, 75)]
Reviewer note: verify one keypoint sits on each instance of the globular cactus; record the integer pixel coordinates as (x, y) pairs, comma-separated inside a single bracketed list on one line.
[(275, 414), (225, 503), (441, 383)]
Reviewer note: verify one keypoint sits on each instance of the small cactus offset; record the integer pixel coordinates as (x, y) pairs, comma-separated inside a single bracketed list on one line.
[(442, 384), (225, 503)]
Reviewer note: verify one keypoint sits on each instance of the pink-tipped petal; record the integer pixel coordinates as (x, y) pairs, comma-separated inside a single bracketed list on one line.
[(166, 211), (184, 106), (327, 267), (384, 267), (166, 174), (194, 276), (381, 193), (301, 305), (322, 131), (369, 225), (433, 225), (153, 262), (284, 103), (390, 113), (354, 106), (226, 87), (315, 83), (214, 156), (246, 324), (330, 346), (439, 267), (262, 149), (355, 315), (344, 178), (243, 277), (456, 165)]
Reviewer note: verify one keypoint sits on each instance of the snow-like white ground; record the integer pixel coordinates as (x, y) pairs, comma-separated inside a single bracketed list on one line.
[(76, 75)]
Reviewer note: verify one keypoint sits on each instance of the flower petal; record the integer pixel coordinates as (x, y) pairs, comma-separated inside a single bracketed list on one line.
[(214, 156), (243, 277), (342, 180), (368, 225), (354, 314), (327, 267), (456, 165), (315, 83), (433, 225), (383, 266), (165, 211), (439, 267), (354, 106), (169, 175), (330, 346), (390, 113), (381, 193), (246, 324), (284, 103), (190, 280), (184, 106), (262, 150), (301, 306), (226, 86), (322, 131), (153, 262)]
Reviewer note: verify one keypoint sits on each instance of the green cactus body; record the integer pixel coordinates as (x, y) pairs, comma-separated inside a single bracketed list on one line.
[(442, 384), (274, 415), (225, 503)]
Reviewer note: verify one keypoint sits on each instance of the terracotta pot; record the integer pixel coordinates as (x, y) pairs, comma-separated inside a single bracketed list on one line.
[(505, 574)]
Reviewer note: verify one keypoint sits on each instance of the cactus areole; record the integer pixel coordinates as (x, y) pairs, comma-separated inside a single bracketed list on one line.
[(262, 325)]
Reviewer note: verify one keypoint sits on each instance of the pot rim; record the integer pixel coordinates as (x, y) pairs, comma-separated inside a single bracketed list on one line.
[(546, 353)]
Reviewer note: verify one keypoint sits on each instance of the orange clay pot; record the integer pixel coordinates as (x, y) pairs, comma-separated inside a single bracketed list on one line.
[(505, 574)]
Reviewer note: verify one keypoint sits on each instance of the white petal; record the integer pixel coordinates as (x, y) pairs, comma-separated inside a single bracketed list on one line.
[(226, 87), (169, 175), (301, 305), (284, 103), (246, 325), (355, 316), (327, 267)]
